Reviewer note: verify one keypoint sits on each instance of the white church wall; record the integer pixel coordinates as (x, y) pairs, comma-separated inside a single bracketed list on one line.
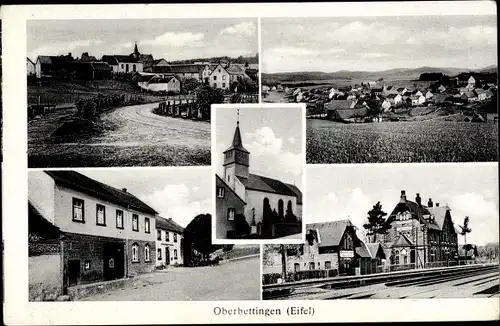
[(255, 199)]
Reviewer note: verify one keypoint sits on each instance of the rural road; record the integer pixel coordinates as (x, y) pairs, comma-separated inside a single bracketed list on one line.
[(233, 280), (139, 138)]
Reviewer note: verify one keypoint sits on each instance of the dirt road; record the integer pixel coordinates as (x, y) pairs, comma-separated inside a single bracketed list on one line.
[(141, 138)]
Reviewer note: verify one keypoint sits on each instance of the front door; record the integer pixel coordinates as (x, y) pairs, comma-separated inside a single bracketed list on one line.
[(167, 256), (74, 271), (113, 261)]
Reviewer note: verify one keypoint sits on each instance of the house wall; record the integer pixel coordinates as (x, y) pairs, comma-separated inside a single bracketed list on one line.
[(64, 217), (230, 200), (38, 69), (311, 255), (45, 278), (41, 193), (122, 67), (30, 68), (142, 266), (219, 78), (172, 86), (163, 245), (255, 199)]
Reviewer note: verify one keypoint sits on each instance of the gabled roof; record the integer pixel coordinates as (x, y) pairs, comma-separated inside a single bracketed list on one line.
[(45, 59), (157, 61), (439, 214), (235, 70), (110, 59), (374, 249), (101, 66), (230, 189), (363, 251), (265, 184), (297, 192), (161, 79), (330, 233), (125, 58), (168, 224), (30, 60), (39, 225), (186, 68), (402, 241), (341, 104), (80, 182)]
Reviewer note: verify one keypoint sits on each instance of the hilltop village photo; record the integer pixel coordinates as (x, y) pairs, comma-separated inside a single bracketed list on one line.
[(99, 97), (92, 240), (365, 238), (259, 173), (390, 97)]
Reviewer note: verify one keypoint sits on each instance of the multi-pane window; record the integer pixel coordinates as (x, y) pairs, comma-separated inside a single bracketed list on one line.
[(223, 85), (220, 192), (135, 252), (135, 222), (328, 265), (215, 77), (147, 225), (78, 212), (147, 253), (167, 236), (100, 215), (158, 254), (175, 237), (87, 265), (230, 214), (175, 253), (158, 234), (119, 219)]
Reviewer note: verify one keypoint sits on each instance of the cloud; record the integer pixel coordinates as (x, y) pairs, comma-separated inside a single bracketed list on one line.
[(178, 202), (374, 55), (56, 48), (300, 51), (245, 29), (177, 39), (263, 141), (291, 140)]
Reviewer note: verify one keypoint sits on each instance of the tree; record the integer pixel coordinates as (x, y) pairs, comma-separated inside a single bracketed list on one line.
[(376, 222), (198, 236), (190, 84), (464, 230), (206, 96), (242, 227), (284, 251)]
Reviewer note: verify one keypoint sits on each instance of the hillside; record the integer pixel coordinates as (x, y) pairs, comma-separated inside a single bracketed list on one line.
[(240, 59), (391, 74)]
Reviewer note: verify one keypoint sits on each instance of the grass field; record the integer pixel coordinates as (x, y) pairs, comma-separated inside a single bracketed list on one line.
[(429, 141)]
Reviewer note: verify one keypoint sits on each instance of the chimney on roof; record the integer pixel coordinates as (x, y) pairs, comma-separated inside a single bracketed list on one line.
[(430, 203), (418, 200), (437, 204), (124, 189), (403, 194)]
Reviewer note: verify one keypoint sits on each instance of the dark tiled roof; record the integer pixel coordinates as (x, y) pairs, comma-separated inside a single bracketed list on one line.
[(110, 59), (363, 251), (98, 189), (375, 248), (161, 79), (39, 225), (237, 143), (189, 68), (260, 183), (330, 233), (340, 104), (102, 66), (168, 224), (235, 70), (125, 58), (297, 192), (402, 241), (45, 59)]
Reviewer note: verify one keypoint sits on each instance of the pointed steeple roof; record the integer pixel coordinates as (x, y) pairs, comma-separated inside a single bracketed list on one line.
[(136, 50), (237, 143)]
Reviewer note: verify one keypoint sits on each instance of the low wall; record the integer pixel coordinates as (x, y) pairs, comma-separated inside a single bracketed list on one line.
[(45, 280), (81, 291)]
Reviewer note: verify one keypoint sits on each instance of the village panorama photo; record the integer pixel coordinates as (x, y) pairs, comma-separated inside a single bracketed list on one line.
[(387, 89), (405, 232), (131, 235), (259, 161), (133, 92)]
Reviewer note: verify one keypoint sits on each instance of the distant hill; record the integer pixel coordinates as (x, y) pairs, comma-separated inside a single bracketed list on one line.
[(398, 73), (240, 59)]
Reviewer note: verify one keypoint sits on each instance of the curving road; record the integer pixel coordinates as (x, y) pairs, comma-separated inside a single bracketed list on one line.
[(136, 137)]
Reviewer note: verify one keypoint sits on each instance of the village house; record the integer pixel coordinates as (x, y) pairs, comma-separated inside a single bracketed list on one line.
[(169, 242), (30, 67), (471, 83), (92, 70), (402, 90), (417, 99), (159, 83), (50, 66), (92, 232), (441, 89), (329, 246), (386, 105), (370, 257), (260, 195), (345, 110), (482, 95), (420, 234), (428, 95), (219, 78), (394, 99), (469, 96)]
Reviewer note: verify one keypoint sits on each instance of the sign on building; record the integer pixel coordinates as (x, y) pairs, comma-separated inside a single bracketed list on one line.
[(346, 254)]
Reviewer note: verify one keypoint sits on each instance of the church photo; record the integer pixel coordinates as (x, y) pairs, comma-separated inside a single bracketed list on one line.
[(258, 156)]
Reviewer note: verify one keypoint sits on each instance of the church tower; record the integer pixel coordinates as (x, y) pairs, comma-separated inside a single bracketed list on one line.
[(136, 53), (236, 158)]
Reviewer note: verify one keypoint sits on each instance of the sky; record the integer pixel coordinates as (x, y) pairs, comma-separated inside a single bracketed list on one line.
[(377, 43), (273, 136), (171, 39), (177, 193), (341, 192)]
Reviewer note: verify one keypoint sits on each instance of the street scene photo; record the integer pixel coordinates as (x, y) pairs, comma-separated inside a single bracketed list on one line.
[(387, 89), (131, 235), (404, 232), (105, 93), (259, 159)]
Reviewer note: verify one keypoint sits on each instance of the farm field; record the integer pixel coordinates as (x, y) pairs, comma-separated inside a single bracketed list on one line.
[(393, 142)]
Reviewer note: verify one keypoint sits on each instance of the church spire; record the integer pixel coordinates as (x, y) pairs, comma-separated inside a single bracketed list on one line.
[(136, 50)]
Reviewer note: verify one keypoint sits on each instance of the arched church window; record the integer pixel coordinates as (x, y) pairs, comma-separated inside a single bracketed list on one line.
[(289, 206), (280, 208)]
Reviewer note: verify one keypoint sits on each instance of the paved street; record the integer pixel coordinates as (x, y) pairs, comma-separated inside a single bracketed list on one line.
[(481, 284), (237, 280)]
